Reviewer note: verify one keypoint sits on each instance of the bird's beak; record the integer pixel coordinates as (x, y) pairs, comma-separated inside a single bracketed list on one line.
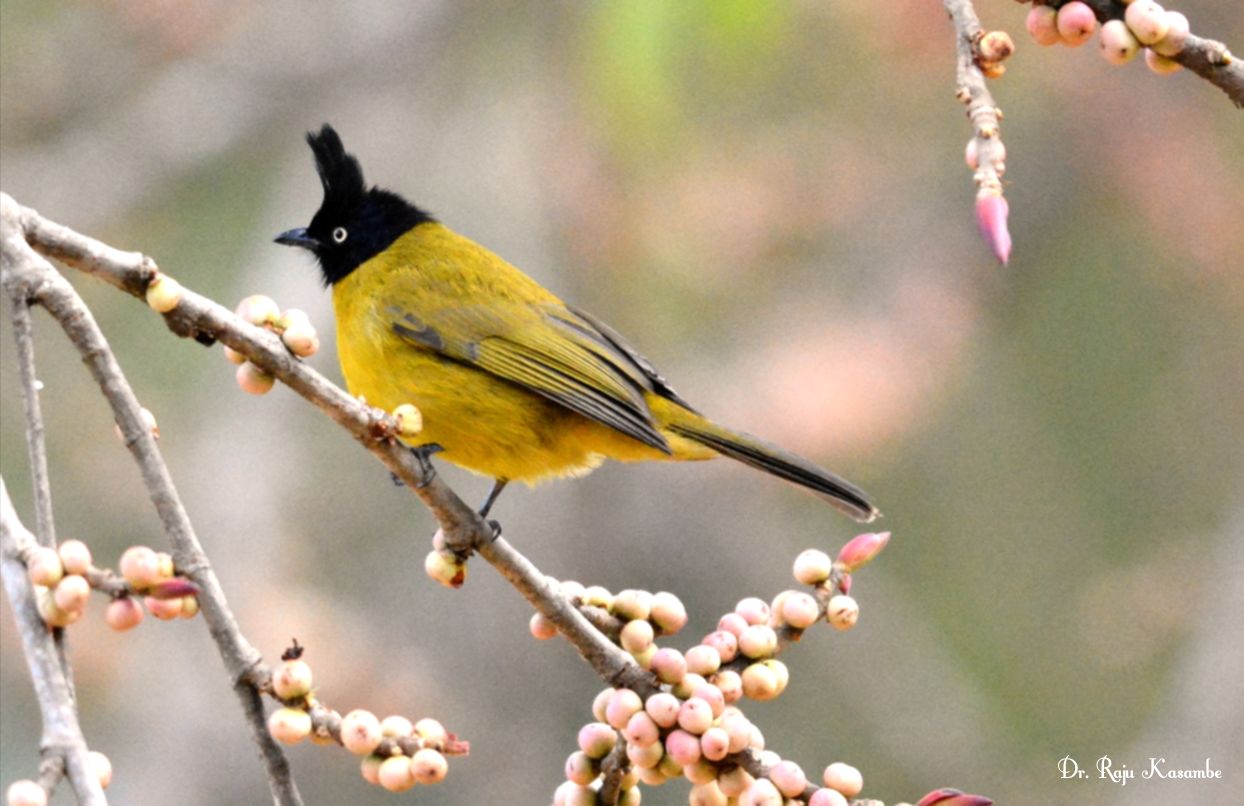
[(298, 237)]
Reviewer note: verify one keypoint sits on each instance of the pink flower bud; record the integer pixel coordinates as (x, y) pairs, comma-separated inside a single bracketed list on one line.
[(289, 725), (1147, 20), (394, 774), (174, 588), (596, 739), (1076, 23), (1043, 26), (360, 732), (844, 778), (123, 614), (861, 550), (953, 797), (1176, 35), (74, 556), (44, 566), (812, 567), (991, 214)]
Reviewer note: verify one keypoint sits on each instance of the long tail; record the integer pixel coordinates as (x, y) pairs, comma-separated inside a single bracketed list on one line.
[(840, 493)]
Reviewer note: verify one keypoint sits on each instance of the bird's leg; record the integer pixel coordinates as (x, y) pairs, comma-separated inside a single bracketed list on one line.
[(423, 455), (497, 486)]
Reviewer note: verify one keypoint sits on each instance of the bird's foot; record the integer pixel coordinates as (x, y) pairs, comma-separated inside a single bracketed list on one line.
[(423, 455), (495, 526)]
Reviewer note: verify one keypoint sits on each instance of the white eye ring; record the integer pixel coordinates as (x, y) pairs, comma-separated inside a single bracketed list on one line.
[(339, 235)]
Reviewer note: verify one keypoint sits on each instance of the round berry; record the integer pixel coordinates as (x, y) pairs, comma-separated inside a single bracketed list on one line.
[(1076, 23)]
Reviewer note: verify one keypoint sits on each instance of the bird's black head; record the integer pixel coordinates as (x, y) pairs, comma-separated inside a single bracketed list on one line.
[(354, 222)]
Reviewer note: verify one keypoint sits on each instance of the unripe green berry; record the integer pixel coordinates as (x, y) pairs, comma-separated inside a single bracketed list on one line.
[(163, 293)]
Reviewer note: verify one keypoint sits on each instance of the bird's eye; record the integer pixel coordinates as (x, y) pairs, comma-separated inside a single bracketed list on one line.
[(339, 235)]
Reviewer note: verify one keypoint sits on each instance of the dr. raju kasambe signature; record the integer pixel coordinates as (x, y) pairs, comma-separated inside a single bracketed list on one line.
[(1158, 768)]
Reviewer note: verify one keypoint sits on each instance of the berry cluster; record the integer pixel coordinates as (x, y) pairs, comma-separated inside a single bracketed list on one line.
[(1144, 24), (397, 754), (63, 578), (29, 793), (293, 326), (690, 727)]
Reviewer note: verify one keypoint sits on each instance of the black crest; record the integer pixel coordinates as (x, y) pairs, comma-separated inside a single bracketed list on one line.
[(354, 223)]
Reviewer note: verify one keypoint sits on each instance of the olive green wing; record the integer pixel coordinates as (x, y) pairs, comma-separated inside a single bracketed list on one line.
[(547, 349)]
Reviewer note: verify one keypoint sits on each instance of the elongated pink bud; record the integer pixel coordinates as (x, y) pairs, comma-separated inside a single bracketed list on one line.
[(861, 550), (953, 797), (174, 588), (991, 212)]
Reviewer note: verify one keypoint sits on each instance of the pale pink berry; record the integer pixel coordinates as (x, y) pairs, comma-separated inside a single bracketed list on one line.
[(26, 793), (140, 566), (991, 215), (753, 610), (781, 674), (580, 768), (702, 660), (1043, 26), (668, 614), (668, 663), (234, 357), (360, 732), (812, 567), (663, 708), (571, 589), (953, 797), (715, 743), (394, 774), (652, 776), (163, 293), (52, 615), (72, 593), (735, 781), (862, 549), (724, 642), (302, 340), (101, 766), (633, 604), (571, 794), (393, 726), (44, 566), (1161, 64), (432, 732), (253, 380), (259, 310), (762, 792), (844, 778), (641, 729), (123, 614), (596, 739), (446, 568), (369, 768), (759, 682), (1147, 20), (686, 687), (645, 755), (600, 703), (695, 716), (712, 695), (800, 610), (730, 683), (541, 628), (701, 771), (758, 641), (597, 596), (707, 794), (843, 612), (738, 730), (732, 623), (1076, 23), (827, 797), (163, 609), (622, 705), (74, 556), (683, 747), (630, 797), (788, 778), (636, 636), (971, 152), (289, 725), (1176, 35), (292, 679), (1117, 43)]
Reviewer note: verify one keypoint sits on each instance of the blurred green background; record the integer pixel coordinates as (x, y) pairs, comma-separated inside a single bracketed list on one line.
[(770, 200)]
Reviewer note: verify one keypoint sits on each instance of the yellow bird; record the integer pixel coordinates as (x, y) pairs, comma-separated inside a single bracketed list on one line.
[(512, 382)]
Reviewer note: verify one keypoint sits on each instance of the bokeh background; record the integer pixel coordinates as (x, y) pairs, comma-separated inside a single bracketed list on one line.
[(770, 200)]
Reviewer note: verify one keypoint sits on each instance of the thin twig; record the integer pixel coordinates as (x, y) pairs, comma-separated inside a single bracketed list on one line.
[(62, 735), (243, 661), (971, 90), (36, 447)]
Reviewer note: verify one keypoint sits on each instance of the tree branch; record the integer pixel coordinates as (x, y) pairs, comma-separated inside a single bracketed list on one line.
[(62, 735)]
